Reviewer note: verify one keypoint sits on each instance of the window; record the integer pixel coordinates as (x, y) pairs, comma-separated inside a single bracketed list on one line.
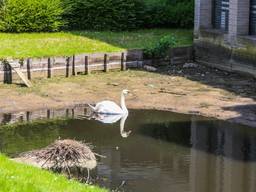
[(221, 14), (253, 17)]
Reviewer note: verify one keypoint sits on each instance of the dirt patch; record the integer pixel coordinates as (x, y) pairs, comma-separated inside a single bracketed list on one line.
[(193, 89)]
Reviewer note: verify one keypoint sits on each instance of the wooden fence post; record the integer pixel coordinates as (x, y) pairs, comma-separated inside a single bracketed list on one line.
[(171, 56), (29, 62), (123, 62), (48, 115), (105, 63), (190, 53), (28, 115), (86, 65), (72, 113), (10, 74), (73, 65), (67, 66), (49, 70), (67, 112), (7, 73)]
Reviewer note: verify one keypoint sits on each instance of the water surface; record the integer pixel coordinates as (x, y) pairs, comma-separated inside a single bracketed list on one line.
[(165, 152)]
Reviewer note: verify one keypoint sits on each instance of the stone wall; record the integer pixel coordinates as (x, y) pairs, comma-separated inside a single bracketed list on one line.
[(211, 49), (234, 50)]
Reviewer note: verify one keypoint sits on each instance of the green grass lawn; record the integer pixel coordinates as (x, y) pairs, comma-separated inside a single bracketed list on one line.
[(68, 43), (15, 177)]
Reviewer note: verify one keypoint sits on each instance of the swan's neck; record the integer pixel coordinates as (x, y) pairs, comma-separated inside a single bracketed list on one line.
[(123, 106), (122, 122)]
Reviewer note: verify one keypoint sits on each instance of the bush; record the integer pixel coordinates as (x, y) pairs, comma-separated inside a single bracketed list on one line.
[(169, 13), (30, 15), (160, 49), (104, 14), (52, 15)]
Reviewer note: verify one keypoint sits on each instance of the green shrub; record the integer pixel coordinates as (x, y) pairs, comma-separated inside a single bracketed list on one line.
[(51, 15), (160, 49), (169, 13), (31, 15), (104, 14)]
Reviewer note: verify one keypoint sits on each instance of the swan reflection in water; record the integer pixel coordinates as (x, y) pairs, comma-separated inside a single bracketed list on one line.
[(108, 112), (110, 119)]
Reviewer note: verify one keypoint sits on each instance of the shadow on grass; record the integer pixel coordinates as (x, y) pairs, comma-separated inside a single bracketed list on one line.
[(138, 39)]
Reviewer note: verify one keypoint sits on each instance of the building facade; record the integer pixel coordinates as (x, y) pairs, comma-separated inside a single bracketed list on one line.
[(225, 34)]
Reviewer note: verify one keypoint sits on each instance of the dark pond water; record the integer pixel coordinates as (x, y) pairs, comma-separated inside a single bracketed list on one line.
[(165, 152)]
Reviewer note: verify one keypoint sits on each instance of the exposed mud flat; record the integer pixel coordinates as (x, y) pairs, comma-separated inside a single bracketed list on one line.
[(191, 89)]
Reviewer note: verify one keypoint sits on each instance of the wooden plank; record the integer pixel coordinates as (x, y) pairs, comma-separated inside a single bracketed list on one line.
[(15, 66)]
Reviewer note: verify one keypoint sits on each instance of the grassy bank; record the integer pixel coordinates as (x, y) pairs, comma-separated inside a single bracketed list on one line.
[(67, 43), (15, 177)]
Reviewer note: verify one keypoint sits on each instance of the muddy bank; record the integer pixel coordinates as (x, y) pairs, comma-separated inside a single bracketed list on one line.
[(191, 89)]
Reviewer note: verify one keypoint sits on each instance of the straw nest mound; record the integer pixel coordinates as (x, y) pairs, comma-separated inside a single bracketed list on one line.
[(61, 155)]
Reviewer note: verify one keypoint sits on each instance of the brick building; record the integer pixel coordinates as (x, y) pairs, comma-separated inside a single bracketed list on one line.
[(225, 34)]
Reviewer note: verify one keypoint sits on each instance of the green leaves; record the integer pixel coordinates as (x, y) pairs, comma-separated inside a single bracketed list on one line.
[(160, 49), (104, 14), (169, 13), (31, 15), (108, 15)]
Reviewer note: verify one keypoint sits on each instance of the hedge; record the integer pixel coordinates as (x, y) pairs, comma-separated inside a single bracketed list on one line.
[(31, 15), (54, 15), (169, 13), (104, 14)]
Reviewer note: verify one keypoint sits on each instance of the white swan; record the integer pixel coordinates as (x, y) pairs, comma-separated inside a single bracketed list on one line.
[(110, 107)]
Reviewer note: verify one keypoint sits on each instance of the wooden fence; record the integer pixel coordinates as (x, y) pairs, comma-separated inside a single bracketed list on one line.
[(175, 56), (181, 55), (70, 66), (87, 63)]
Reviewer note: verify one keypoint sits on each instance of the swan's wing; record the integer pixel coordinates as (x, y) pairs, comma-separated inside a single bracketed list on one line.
[(108, 119), (108, 107)]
